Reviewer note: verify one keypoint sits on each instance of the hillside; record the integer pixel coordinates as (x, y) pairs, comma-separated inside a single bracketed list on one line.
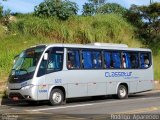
[(27, 30)]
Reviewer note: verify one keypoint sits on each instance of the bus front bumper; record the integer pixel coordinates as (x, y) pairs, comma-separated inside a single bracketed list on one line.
[(26, 93)]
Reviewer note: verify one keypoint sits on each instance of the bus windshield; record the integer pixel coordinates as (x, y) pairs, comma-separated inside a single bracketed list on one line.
[(27, 61)]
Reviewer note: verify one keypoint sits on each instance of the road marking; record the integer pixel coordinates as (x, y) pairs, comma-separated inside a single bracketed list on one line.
[(24, 113), (56, 108), (66, 117), (142, 110), (136, 111), (128, 100), (100, 117), (69, 118), (84, 105)]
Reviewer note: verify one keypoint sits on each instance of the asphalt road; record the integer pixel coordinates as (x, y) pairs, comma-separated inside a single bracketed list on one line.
[(99, 108)]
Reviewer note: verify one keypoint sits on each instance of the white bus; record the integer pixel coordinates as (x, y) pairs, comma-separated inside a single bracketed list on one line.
[(56, 72)]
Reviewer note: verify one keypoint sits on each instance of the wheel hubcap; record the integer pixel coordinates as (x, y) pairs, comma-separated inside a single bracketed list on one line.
[(122, 92), (57, 97)]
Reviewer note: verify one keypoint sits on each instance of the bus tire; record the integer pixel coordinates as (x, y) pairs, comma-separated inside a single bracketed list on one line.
[(122, 92), (56, 97)]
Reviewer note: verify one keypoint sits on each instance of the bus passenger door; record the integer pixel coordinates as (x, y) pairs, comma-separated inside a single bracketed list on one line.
[(42, 85)]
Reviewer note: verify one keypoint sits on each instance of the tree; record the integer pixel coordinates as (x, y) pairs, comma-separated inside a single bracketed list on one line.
[(151, 14), (97, 3), (88, 9), (1, 11), (134, 16), (112, 8), (92, 6), (59, 8), (151, 28), (147, 20)]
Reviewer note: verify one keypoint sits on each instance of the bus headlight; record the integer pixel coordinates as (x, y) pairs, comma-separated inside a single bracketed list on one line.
[(27, 87)]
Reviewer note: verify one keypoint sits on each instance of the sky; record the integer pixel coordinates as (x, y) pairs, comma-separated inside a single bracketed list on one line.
[(27, 6)]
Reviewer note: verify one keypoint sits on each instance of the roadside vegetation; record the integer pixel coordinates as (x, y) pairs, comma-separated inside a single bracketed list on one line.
[(99, 22)]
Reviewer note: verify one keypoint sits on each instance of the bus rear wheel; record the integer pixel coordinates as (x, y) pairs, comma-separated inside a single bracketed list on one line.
[(56, 97), (122, 92)]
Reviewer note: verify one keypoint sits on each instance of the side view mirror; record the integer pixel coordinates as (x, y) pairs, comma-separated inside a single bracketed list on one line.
[(45, 57), (15, 58)]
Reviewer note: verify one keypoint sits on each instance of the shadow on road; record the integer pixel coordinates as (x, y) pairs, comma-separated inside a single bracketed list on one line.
[(94, 99), (4, 101)]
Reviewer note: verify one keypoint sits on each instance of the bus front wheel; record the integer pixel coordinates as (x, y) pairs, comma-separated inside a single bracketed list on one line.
[(56, 97), (122, 92)]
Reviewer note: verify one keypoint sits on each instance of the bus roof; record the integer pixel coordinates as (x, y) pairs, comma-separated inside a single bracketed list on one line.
[(110, 46)]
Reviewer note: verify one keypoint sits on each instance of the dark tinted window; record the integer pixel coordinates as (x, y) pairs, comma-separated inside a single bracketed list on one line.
[(91, 59), (112, 59), (116, 60), (73, 60), (97, 59), (145, 60), (87, 59), (107, 60), (130, 60), (55, 62), (134, 59), (42, 68)]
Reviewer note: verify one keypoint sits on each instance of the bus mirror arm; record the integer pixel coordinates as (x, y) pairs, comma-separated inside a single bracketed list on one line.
[(15, 58), (45, 57)]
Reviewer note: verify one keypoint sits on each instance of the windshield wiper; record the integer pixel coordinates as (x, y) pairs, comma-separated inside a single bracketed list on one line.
[(22, 69), (18, 71)]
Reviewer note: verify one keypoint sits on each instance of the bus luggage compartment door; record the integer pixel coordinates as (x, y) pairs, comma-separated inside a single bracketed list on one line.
[(77, 90)]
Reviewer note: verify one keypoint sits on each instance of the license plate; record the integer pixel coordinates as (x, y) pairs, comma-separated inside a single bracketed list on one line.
[(15, 98)]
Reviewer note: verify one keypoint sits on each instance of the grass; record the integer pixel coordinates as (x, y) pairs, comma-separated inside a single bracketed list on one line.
[(1, 95), (28, 30), (156, 67), (101, 28), (3, 89)]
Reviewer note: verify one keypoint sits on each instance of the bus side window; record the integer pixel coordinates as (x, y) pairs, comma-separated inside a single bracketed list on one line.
[(134, 60), (145, 60), (87, 59), (116, 60), (42, 68), (126, 62), (55, 62), (97, 59), (73, 61), (107, 59), (130, 60)]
